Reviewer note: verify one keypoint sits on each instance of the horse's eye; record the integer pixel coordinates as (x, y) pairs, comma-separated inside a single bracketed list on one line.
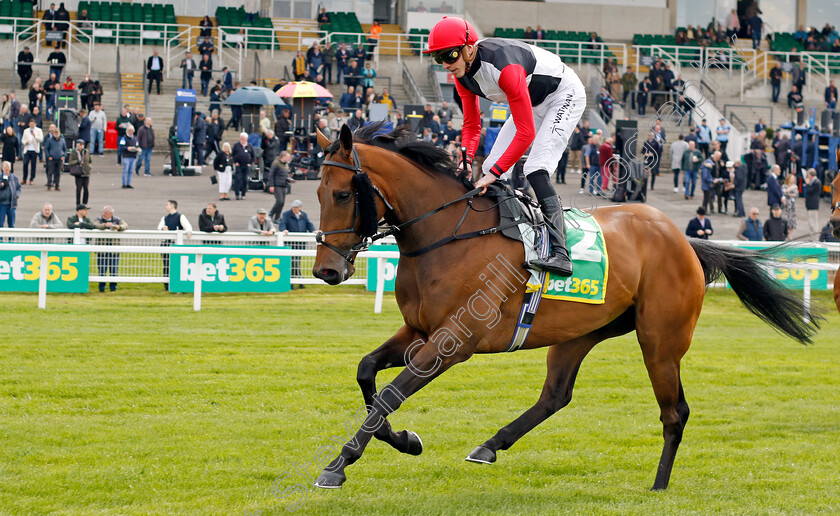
[(342, 197)]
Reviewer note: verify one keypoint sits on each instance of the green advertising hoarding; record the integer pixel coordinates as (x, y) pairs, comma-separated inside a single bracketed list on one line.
[(390, 268), (795, 278), (20, 271), (231, 273)]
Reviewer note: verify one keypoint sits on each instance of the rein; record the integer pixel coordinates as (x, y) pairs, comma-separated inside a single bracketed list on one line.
[(368, 240)]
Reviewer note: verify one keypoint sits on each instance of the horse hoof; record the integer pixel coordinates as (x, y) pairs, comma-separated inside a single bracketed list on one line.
[(330, 480), (482, 455), (415, 445)]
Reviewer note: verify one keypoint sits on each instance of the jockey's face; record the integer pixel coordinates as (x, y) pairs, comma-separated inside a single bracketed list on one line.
[(459, 66)]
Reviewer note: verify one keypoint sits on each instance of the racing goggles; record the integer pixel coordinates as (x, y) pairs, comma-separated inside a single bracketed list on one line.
[(448, 56)]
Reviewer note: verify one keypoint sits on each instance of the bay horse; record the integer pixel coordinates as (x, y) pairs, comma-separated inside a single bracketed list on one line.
[(453, 308), (835, 227)]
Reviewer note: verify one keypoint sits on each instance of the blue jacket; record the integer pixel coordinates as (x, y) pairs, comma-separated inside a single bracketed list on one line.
[(292, 224), (774, 191), (199, 130), (708, 182), (14, 184), (84, 130), (347, 100), (704, 134), (694, 225), (55, 149), (754, 230)]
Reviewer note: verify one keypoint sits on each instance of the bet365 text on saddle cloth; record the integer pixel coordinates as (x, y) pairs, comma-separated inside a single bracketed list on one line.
[(586, 245)]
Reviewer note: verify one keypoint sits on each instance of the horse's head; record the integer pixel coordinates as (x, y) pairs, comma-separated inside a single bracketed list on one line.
[(349, 210), (835, 206)]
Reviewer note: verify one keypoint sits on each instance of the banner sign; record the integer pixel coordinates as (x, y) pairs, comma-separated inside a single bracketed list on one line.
[(20, 271), (231, 273), (390, 268), (795, 278)]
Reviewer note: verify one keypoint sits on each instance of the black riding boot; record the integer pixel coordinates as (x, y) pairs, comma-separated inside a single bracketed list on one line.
[(557, 260)]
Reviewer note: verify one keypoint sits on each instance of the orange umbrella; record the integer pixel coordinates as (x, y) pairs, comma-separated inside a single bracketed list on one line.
[(303, 89)]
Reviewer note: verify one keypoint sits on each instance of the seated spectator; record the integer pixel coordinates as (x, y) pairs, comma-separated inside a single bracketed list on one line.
[(68, 84), (261, 224), (795, 99), (46, 219), (386, 98), (776, 228), (323, 17), (800, 34), (211, 221), (751, 228), (700, 226), (529, 33)]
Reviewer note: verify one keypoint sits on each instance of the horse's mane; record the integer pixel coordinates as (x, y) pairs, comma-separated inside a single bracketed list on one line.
[(402, 141)]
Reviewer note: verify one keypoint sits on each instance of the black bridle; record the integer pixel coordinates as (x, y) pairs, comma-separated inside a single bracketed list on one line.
[(367, 240)]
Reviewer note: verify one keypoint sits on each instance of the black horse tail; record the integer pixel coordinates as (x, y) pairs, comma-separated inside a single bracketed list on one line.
[(746, 271)]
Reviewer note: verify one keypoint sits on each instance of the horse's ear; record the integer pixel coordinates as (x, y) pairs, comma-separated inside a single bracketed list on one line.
[(346, 139), (323, 141)]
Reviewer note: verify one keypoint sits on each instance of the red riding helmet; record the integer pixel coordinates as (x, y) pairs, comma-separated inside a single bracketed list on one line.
[(451, 32)]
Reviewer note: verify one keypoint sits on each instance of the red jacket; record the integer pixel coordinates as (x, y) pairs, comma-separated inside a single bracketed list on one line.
[(605, 154)]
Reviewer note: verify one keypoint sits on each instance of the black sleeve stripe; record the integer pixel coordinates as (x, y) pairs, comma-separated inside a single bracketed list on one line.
[(501, 53)]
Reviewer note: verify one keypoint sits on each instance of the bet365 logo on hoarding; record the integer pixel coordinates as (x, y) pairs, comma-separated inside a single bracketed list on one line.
[(20, 271), (231, 273)]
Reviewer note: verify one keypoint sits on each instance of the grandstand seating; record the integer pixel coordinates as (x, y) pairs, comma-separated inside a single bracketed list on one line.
[(260, 31), (154, 17), (343, 22), (415, 38), (14, 9), (567, 50), (785, 42)]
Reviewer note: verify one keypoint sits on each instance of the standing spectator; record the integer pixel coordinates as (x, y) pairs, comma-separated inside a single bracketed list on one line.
[(700, 226), (108, 263), (754, 25), (592, 175), (261, 224), (373, 39), (123, 123), (154, 71), (98, 123), (794, 99), (444, 113), (368, 74), (85, 88), (80, 220), (55, 148), (831, 95), (739, 173), (359, 55), (797, 75), (708, 182), (677, 150), (95, 94), (206, 30), (227, 80), (605, 104), (642, 95), (216, 99), (353, 74), (776, 81), (323, 17), (560, 173), (812, 199), (48, 17), (223, 165), (271, 147), (243, 156), (295, 220), (80, 157), (130, 148), (628, 83), (722, 131), (9, 194), (45, 219), (733, 25), (206, 67), (721, 175), (199, 138), (774, 189), (36, 94), (211, 221), (278, 181), (187, 71), (342, 58), (31, 140), (146, 142), (576, 143), (299, 69), (790, 191), (760, 125), (10, 144), (57, 61), (329, 59), (607, 162), (205, 46), (652, 152), (14, 111), (84, 127), (691, 165), (704, 137), (347, 98), (776, 228), (172, 221), (5, 109), (751, 228), (214, 136), (24, 66)]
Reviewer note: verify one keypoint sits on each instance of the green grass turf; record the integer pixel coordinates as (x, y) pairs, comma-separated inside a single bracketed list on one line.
[(131, 403)]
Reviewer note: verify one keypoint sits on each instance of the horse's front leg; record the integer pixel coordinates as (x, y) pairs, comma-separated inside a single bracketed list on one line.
[(426, 365), (390, 354)]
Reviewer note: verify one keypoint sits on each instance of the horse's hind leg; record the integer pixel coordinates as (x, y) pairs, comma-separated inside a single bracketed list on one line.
[(390, 354)]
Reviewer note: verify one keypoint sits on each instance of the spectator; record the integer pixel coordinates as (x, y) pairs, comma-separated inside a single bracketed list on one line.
[(271, 148), (214, 135), (223, 165), (57, 61), (797, 75), (146, 142), (206, 30), (172, 221), (652, 152), (199, 138), (123, 122), (642, 95), (260, 224), (774, 189), (216, 99), (80, 220), (704, 137), (84, 127), (347, 98), (342, 60), (813, 190), (295, 220), (368, 74), (732, 25), (776, 228), (628, 83), (55, 148), (95, 94), (353, 74), (243, 156), (81, 158), (593, 165), (187, 71), (708, 184), (36, 94), (359, 55), (85, 88), (795, 99), (265, 122), (154, 71), (24, 68), (760, 126), (45, 219), (108, 263), (68, 85), (98, 123), (205, 46), (206, 67), (700, 226), (677, 150), (605, 104), (31, 140), (691, 161), (373, 39), (9, 195), (739, 173), (754, 25), (831, 95), (444, 113), (227, 80), (299, 68), (722, 131), (48, 17), (776, 81), (211, 221), (323, 17), (329, 59), (356, 121), (130, 149), (751, 228), (10, 147), (790, 191), (607, 163)]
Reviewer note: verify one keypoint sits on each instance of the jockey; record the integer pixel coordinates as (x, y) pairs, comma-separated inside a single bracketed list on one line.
[(546, 101)]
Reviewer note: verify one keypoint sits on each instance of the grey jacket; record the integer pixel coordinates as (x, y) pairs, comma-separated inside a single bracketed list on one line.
[(39, 220), (254, 225)]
